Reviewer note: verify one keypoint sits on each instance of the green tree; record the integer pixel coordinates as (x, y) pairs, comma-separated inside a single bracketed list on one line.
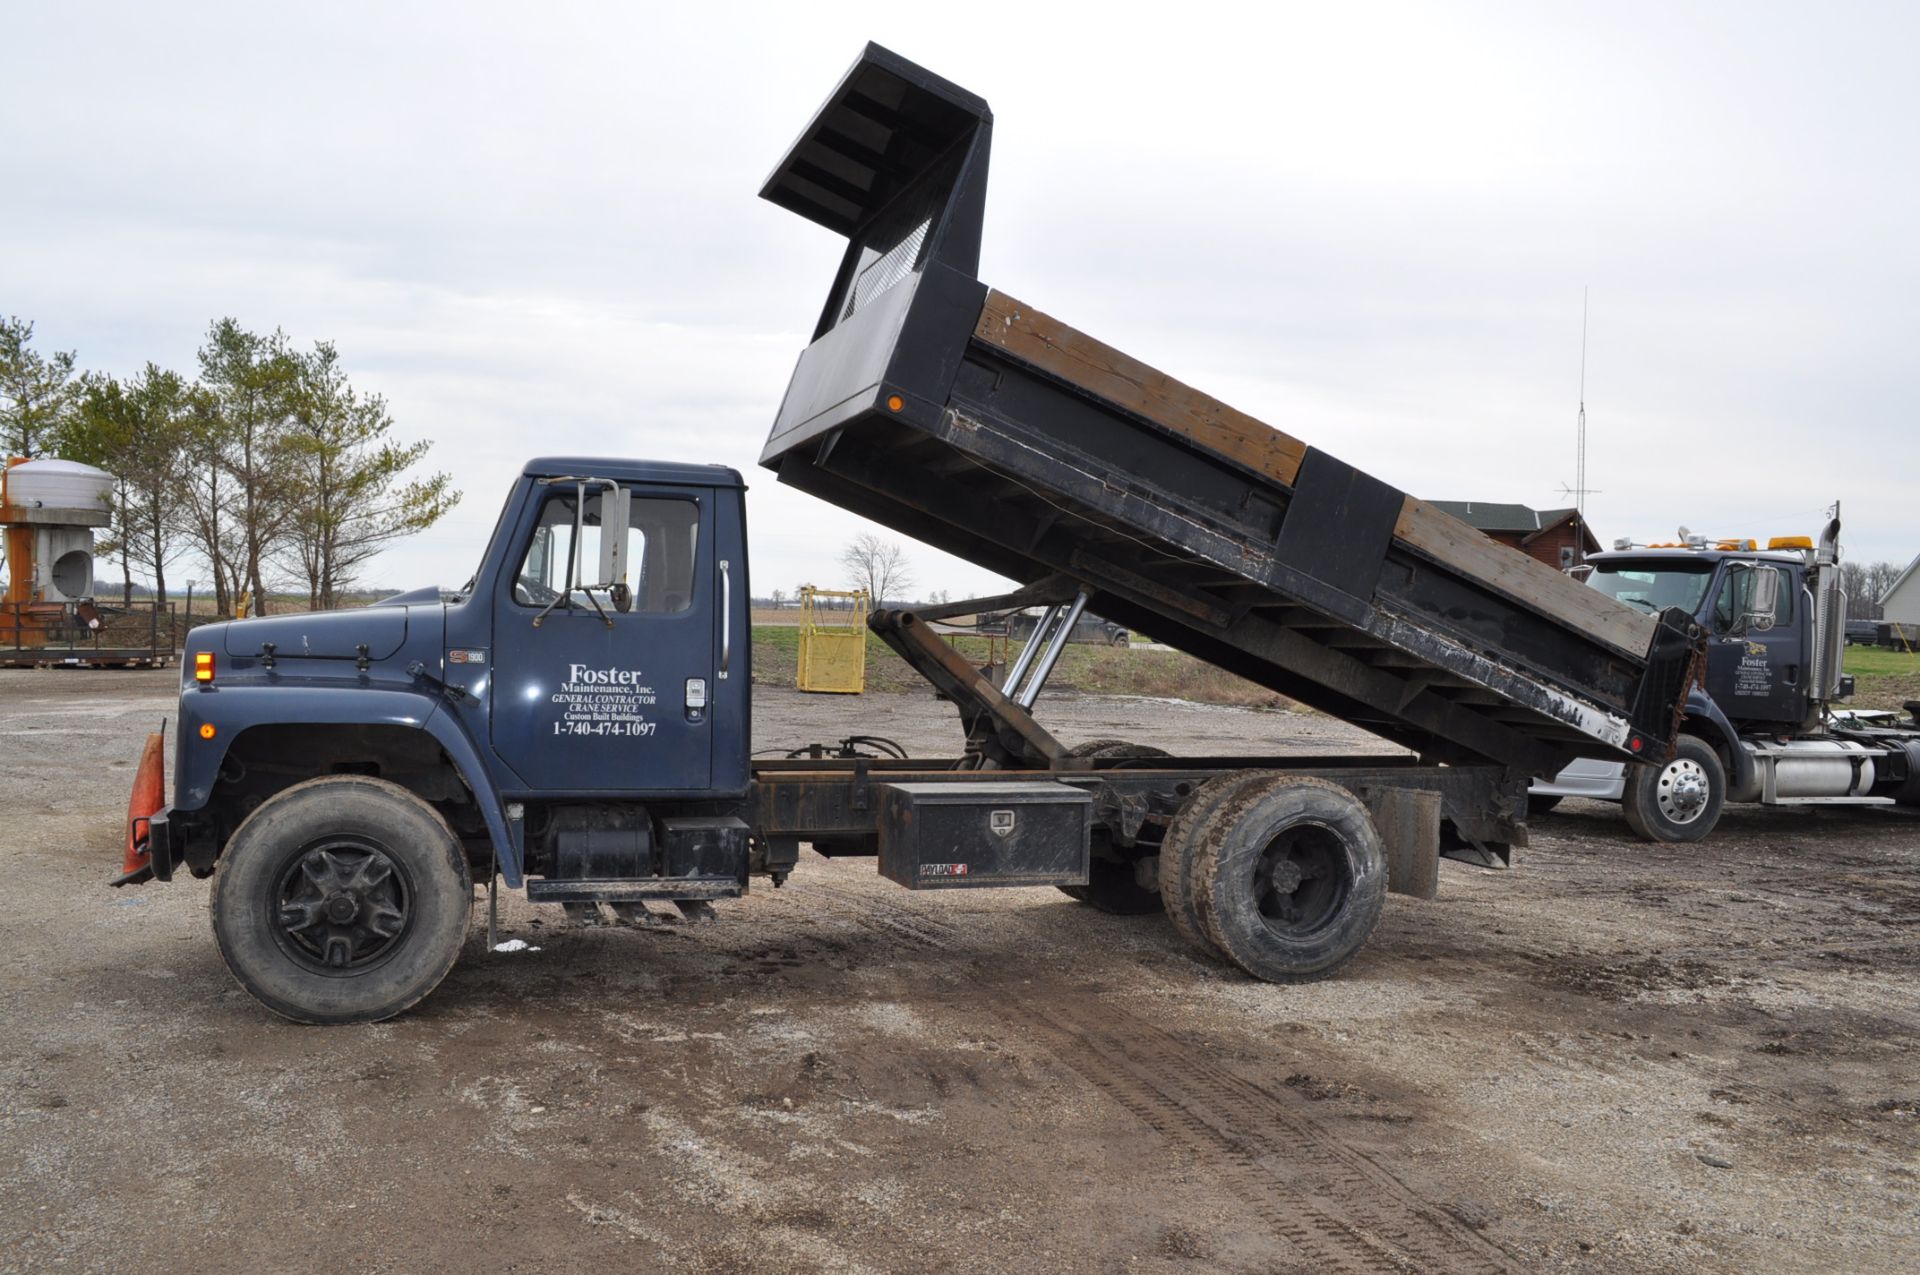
[(36, 392), (137, 431), (254, 381), (207, 492), (347, 492)]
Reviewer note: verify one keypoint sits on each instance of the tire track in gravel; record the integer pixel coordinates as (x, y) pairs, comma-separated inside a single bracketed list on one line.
[(1337, 1208), (882, 917)]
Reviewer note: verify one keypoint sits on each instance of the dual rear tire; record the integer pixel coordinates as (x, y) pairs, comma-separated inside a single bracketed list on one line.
[(1283, 876)]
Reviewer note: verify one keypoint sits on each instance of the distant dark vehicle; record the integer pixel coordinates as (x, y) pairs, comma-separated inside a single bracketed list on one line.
[(1019, 625), (1862, 632)]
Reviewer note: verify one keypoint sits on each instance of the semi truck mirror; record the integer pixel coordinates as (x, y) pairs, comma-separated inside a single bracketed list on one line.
[(616, 514), (1765, 599)]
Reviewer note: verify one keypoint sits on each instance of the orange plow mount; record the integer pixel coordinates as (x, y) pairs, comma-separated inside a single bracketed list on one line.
[(149, 794)]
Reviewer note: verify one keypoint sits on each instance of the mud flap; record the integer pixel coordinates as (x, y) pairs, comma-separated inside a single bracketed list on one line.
[(1408, 821)]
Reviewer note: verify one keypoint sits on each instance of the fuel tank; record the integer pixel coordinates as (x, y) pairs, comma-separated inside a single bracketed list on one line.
[(1813, 768)]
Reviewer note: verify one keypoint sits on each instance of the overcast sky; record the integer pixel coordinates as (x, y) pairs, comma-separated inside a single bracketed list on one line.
[(534, 229)]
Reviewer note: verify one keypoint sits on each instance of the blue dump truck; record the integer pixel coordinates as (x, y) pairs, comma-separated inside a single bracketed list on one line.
[(576, 721)]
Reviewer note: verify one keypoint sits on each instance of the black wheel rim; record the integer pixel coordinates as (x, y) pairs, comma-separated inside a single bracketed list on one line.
[(1301, 880), (342, 906)]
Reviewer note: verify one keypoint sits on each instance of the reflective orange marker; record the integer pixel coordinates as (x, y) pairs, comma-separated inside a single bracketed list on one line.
[(895, 402), (203, 666), (206, 730)]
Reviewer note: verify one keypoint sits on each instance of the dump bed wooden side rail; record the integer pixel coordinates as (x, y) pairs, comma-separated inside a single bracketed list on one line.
[(1053, 347)]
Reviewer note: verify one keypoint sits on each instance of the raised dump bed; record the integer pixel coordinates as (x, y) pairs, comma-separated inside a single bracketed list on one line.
[(974, 422)]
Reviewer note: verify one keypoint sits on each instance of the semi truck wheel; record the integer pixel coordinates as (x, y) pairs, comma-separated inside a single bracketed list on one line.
[(1180, 849), (1680, 800), (1113, 886), (342, 900), (1290, 878)]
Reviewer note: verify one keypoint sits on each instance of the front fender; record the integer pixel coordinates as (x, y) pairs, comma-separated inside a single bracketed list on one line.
[(232, 709), (1718, 729)]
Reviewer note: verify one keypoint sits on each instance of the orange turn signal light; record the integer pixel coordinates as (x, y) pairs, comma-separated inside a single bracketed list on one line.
[(895, 402), (203, 666), (206, 730)]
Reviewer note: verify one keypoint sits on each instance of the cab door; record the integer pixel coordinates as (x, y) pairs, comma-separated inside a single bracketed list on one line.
[(1758, 676), (607, 698)]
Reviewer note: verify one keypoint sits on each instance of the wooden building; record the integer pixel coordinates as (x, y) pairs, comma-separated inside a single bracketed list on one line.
[(1556, 537)]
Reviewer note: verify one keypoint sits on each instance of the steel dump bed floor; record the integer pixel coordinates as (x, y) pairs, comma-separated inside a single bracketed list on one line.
[(973, 422)]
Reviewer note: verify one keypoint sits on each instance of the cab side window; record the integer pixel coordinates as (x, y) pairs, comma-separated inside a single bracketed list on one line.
[(662, 548)]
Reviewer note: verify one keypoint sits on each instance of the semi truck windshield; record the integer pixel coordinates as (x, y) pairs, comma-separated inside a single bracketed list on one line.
[(1654, 586)]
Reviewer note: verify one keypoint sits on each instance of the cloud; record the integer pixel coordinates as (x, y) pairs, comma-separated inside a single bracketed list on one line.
[(535, 232)]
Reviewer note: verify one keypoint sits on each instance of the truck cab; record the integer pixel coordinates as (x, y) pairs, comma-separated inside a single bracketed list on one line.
[(1756, 666), (1761, 711)]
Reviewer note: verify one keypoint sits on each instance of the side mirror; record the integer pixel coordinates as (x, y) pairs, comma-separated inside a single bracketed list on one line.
[(1766, 599), (616, 515)]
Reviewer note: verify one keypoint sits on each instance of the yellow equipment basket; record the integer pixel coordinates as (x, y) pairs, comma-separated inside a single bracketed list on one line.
[(833, 640)]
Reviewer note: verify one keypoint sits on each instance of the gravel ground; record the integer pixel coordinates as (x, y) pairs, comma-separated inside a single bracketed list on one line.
[(1613, 1058)]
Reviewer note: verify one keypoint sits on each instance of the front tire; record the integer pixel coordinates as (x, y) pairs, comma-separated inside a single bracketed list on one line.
[(1680, 800), (342, 900)]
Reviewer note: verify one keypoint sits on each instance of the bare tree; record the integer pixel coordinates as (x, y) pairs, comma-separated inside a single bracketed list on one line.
[(1860, 598), (1880, 578), (779, 598), (878, 566)]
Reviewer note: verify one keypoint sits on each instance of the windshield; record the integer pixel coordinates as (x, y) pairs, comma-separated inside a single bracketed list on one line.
[(1654, 586)]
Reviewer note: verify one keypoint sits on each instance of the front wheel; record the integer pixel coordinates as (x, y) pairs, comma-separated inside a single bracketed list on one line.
[(1679, 800), (342, 900)]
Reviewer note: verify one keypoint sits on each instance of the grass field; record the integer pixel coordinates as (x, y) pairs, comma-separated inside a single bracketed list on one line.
[(1097, 670), (1883, 678)]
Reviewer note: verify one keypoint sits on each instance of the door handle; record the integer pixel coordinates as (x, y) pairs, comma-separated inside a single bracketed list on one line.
[(726, 618)]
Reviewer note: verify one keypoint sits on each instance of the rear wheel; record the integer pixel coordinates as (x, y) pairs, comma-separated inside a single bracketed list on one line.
[(1679, 800), (1290, 878), (1113, 885), (342, 900), (1180, 851)]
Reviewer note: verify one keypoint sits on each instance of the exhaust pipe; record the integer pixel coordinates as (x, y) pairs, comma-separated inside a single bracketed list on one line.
[(1829, 617)]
